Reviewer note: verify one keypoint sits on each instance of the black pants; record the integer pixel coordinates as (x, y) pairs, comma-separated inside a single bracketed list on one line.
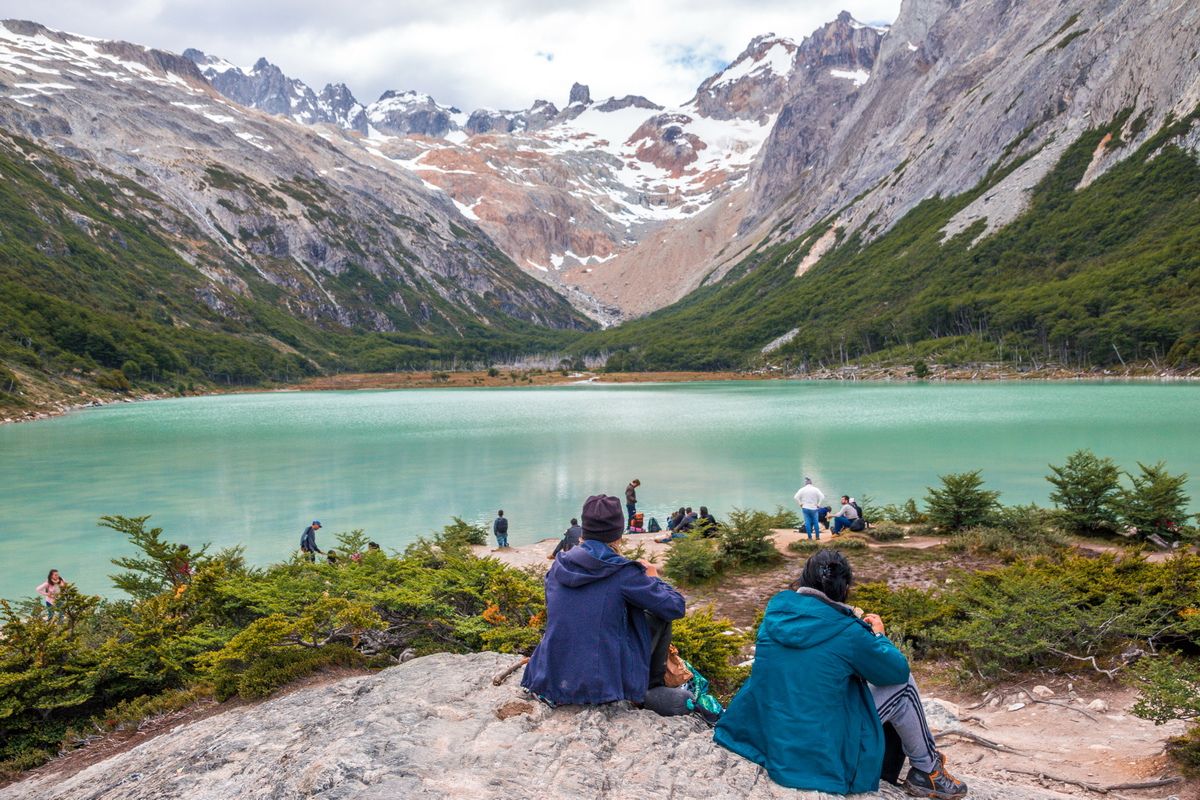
[(660, 643)]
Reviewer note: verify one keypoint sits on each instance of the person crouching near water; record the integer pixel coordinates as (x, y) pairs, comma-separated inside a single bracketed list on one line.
[(608, 623), (50, 590), (823, 684)]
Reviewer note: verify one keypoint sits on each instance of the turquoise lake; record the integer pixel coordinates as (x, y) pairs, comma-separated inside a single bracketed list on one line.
[(254, 469)]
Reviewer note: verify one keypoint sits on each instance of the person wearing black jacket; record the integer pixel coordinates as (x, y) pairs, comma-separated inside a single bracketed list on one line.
[(569, 540), (500, 528), (308, 541)]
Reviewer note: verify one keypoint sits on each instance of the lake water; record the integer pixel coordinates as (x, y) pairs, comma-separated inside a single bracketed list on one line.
[(254, 469)]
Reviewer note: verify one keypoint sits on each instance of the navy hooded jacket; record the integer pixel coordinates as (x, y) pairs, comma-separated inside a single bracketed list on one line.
[(596, 648)]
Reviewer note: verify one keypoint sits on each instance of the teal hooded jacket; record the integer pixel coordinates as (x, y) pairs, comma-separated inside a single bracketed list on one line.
[(805, 714)]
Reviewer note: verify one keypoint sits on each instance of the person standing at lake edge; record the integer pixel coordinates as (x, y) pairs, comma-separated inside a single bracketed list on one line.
[(49, 591), (810, 498), (631, 501), (500, 528), (308, 541)]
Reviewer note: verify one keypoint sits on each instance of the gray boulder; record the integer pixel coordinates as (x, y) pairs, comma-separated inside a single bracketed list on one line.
[(434, 727)]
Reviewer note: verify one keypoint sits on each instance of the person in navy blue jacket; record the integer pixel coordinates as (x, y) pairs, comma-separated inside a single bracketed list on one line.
[(600, 611)]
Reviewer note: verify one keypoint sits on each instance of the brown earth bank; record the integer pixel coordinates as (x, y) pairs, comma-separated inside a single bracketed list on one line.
[(44, 401)]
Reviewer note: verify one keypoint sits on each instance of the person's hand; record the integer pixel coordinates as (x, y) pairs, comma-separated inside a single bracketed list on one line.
[(875, 621), (651, 570)]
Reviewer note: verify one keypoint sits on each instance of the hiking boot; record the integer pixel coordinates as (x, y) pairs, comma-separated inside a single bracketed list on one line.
[(938, 784)]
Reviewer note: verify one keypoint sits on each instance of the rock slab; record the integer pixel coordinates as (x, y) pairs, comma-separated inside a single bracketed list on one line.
[(434, 727)]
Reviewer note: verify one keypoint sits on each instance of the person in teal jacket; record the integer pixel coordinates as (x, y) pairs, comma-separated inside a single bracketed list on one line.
[(822, 685)]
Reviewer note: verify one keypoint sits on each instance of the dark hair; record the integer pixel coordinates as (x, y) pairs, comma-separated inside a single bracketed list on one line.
[(574, 521), (689, 509), (846, 498), (50, 575), (704, 511), (829, 572), (372, 545), (500, 513)]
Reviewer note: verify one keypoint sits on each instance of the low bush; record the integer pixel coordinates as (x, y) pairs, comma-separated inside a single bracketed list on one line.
[(746, 539), (1009, 544), (1170, 690), (907, 513), (691, 560), (1047, 613), (462, 532), (783, 518), (804, 546), (711, 645), (886, 531), (848, 543)]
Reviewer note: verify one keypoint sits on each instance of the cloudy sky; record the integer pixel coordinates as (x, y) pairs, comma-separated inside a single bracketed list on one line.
[(470, 53)]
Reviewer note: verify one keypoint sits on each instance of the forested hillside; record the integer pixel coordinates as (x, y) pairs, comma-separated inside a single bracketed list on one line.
[(97, 293), (1100, 275)]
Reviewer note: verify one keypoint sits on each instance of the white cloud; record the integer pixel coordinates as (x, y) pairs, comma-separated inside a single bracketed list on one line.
[(473, 53)]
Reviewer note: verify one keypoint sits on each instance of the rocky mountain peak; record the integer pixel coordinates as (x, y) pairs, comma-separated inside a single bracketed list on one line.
[(752, 86), (580, 95)]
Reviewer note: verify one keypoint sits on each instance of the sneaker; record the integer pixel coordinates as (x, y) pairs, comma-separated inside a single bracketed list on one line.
[(938, 784)]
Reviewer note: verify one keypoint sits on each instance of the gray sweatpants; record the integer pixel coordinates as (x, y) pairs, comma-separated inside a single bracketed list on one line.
[(900, 706)]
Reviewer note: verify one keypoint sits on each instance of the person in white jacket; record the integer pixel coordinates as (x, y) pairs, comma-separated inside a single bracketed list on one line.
[(810, 499)]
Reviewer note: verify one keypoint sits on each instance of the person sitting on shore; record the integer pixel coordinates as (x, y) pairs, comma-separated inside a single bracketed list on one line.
[(689, 519), (823, 684), (675, 518), (608, 622), (569, 540), (823, 516), (706, 522), (845, 517)]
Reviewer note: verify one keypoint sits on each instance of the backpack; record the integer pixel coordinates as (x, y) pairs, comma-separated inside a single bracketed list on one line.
[(858, 525), (501, 524), (654, 527)]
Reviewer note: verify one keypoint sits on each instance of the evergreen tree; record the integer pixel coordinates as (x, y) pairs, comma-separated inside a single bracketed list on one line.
[(961, 502), (1156, 503), (161, 566), (1086, 491)]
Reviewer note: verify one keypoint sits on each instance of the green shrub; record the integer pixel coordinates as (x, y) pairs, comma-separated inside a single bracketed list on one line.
[(691, 560), (461, 532), (1156, 503), (1086, 492), (804, 546), (961, 502), (1170, 690), (1008, 543), (886, 531), (712, 646), (783, 518), (113, 381), (746, 539), (920, 370), (849, 544), (906, 514)]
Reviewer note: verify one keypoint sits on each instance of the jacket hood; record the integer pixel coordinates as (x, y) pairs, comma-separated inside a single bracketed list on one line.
[(805, 620), (580, 565)]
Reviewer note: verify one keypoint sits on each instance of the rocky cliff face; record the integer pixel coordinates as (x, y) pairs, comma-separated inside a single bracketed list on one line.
[(346, 238), (435, 727), (958, 89)]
